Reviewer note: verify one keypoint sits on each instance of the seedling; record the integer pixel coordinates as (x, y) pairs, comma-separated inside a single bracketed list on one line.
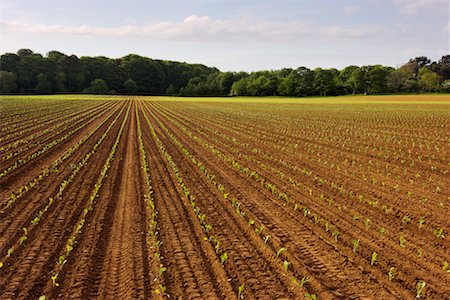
[(402, 241), (439, 233), (259, 230), (336, 233), (355, 246), (421, 222), (266, 238), (286, 265), (311, 296), (280, 251), (54, 277), (223, 258), (420, 286), (217, 246), (374, 258), (241, 292), (445, 266), (162, 269), (251, 222), (391, 274), (304, 281)]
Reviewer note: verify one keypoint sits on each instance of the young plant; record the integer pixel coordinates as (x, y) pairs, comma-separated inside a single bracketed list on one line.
[(336, 233), (373, 260), (420, 286), (311, 296), (280, 251), (266, 238), (259, 230), (445, 266), (304, 281), (391, 273), (402, 241), (355, 246), (286, 265), (241, 292), (223, 257)]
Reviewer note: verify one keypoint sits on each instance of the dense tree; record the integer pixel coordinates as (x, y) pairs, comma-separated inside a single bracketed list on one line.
[(43, 85), (7, 82), (29, 72), (429, 81), (97, 86), (130, 87)]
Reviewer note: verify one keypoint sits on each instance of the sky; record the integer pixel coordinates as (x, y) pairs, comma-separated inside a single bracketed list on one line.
[(233, 35)]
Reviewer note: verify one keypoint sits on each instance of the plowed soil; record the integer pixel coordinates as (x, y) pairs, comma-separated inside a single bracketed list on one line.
[(241, 198)]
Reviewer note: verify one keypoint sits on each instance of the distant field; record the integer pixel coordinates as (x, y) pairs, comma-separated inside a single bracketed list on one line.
[(250, 198)]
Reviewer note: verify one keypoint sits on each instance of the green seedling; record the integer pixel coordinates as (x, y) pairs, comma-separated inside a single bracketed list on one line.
[(421, 222), (391, 274), (280, 251), (311, 296), (286, 265), (266, 238), (402, 241), (54, 277), (304, 281), (162, 269), (251, 222), (241, 292), (445, 266), (374, 258), (336, 233), (223, 258), (420, 286), (439, 233), (260, 229), (355, 245)]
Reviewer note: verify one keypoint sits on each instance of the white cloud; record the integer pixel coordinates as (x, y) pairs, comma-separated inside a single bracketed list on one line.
[(413, 7), (205, 28), (350, 9)]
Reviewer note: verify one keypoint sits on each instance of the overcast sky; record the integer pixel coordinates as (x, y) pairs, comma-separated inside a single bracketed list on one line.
[(233, 35)]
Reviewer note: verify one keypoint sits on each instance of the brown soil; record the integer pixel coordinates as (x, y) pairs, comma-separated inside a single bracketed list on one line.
[(114, 254)]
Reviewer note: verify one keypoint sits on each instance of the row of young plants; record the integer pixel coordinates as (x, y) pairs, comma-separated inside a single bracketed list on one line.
[(58, 196), (280, 252), (222, 255), (316, 180), (319, 181), (36, 119), (53, 167), (319, 144), (393, 175), (47, 147), (315, 217), (32, 140), (72, 240), (152, 234), (17, 116), (250, 126)]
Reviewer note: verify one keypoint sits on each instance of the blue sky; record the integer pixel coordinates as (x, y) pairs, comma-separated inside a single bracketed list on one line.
[(233, 35)]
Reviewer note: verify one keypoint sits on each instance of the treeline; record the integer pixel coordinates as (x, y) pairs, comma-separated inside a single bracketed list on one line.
[(26, 72)]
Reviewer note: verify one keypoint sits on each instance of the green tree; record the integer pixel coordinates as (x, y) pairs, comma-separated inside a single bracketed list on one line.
[(429, 81), (7, 82), (43, 85), (130, 87), (324, 81), (377, 77), (97, 86)]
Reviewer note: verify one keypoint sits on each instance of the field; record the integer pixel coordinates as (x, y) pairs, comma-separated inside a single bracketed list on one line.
[(225, 198)]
